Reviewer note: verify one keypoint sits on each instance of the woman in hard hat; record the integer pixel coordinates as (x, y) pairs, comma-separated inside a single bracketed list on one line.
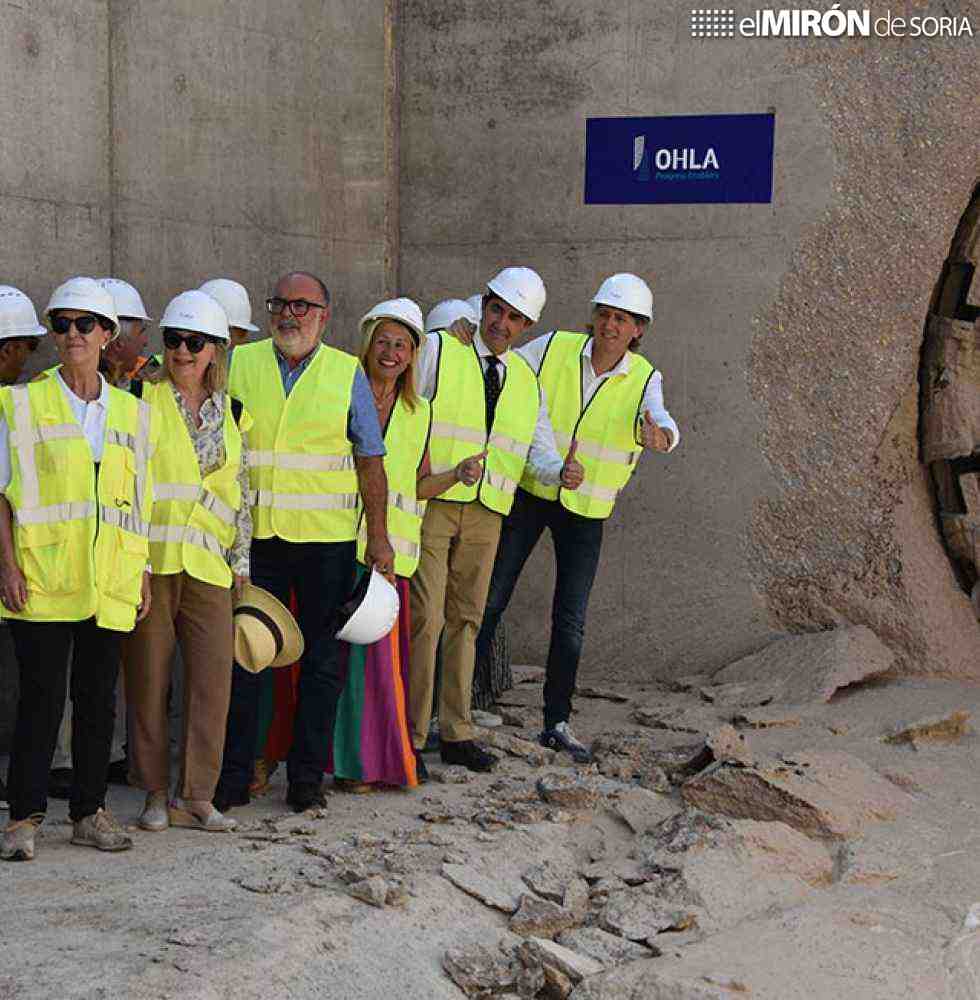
[(199, 541), (371, 743), (74, 520)]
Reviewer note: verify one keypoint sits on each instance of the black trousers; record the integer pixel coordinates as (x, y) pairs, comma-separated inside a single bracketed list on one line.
[(42, 650), (321, 576)]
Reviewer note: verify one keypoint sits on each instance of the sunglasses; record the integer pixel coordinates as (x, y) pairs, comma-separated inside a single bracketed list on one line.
[(83, 324), (298, 307), (194, 342)]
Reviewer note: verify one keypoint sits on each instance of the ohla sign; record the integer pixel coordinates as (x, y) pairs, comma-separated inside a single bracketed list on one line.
[(679, 159)]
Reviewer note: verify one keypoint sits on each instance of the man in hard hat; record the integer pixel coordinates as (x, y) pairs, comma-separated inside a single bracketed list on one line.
[(233, 298), (606, 430), (315, 444), (461, 529), (124, 360), (20, 333)]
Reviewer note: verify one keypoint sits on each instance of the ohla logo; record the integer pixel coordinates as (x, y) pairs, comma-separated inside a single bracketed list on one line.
[(673, 160)]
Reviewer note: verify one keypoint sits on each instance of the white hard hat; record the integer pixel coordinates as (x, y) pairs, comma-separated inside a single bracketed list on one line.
[(127, 299), (476, 304), (403, 310), (233, 298), (521, 288), (17, 315), (626, 292), (444, 314), (198, 312), (370, 613), (85, 295)]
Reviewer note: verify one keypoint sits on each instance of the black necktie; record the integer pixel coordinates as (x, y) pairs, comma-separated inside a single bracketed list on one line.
[(491, 389)]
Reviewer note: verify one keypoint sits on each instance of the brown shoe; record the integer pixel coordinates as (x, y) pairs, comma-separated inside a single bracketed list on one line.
[(353, 787), (18, 838), (262, 772), (102, 831)]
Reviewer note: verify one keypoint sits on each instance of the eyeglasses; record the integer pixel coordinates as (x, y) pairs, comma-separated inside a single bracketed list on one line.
[(298, 307), (194, 342), (83, 324)]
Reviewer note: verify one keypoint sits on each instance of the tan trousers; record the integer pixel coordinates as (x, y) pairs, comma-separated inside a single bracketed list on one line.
[(198, 615), (459, 543)]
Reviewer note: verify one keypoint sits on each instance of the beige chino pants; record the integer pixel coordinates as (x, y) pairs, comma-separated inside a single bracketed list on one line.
[(449, 588)]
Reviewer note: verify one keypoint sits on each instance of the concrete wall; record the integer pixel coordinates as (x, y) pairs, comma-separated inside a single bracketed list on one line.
[(788, 333)]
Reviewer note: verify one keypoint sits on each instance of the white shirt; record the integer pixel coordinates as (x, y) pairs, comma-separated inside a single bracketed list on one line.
[(90, 416), (543, 456), (653, 396)]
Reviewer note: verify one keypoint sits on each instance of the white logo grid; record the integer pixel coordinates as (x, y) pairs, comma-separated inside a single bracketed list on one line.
[(713, 22)]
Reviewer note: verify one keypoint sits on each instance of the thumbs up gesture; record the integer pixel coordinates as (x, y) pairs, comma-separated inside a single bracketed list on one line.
[(470, 469), (653, 436), (572, 473)]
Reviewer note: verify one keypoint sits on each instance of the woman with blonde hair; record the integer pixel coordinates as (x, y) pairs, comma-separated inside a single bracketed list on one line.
[(199, 541), (371, 744)]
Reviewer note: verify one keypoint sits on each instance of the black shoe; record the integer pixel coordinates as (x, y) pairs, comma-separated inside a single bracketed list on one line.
[(421, 771), (302, 795), (3, 795), (224, 800), (118, 773), (60, 781), (468, 754), (561, 738)]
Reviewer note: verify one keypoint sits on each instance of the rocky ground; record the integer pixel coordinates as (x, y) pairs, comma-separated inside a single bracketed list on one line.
[(797, 825)]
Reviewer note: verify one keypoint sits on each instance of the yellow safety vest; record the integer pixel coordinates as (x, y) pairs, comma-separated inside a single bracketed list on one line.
[(193, 526), (459, 423), (406, 437), (301, 462), (607, 429), (79, 540)]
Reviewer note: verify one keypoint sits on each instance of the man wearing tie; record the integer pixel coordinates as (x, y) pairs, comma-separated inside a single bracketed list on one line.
[(461, 529)]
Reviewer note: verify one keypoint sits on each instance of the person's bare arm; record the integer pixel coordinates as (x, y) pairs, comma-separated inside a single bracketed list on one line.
[(13, 585), (431, 484), (373, 485)]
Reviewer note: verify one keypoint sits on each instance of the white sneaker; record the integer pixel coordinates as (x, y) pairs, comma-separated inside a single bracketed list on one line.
[(561, 738), (486, 719), (102, 831), (155, 816)]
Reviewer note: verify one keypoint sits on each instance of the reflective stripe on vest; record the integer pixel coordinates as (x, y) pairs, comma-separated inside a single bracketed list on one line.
[(80, 543), (406, 438), (605, 429), (300, 457), (459, 423), (194, 519)]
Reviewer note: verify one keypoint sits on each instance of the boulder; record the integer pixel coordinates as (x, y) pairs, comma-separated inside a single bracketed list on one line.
[(481, 972), (642, 809), (540, 918), (606, 949), (373, 890), (550, 880), (567, 961), (501, 894), (727, 744), (638, 914)]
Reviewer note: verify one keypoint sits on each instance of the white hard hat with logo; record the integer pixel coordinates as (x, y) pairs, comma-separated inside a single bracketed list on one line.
[(85, 295), (128, 303), (445, 313), (626, 292), (233, 298), (370, 613), (403, 310), (17, 315), (197, 312), (521, 288)]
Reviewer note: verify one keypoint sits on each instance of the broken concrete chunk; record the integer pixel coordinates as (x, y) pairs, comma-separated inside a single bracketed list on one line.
[(549, 880), (604, 694), (453, 775), (822, 794), (642, 810), (567, 790), (480, 972), (500, 894), (549, 954), (576, 899), (540, 918), (931, 729), (638, 914), (727, 744), (606, 949), (679, 719), (373, 890), (644, 981), (801, 669)]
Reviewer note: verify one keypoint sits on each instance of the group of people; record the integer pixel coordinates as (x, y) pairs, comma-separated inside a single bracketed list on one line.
[(150, 502)]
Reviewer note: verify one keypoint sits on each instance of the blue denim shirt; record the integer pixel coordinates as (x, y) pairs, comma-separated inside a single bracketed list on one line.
[(363, 429)]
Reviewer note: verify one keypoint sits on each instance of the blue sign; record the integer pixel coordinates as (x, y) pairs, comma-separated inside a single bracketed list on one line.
[(679, 160)]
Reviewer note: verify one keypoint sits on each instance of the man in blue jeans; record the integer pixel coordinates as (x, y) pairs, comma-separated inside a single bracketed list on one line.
[(606, 405)]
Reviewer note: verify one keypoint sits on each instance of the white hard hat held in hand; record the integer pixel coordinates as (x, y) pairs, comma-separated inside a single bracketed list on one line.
[(126, 298), (371, 611), (85, 295), (17, 315), (233, 298), (521, 288), (403, 310), (197, 312), (444, 314), (626, 292)]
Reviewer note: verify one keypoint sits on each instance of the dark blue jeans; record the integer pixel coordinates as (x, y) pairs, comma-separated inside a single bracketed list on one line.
[(321, 575), (577, 542)]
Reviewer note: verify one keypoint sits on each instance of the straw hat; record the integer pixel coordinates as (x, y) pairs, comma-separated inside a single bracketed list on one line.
[(266, 634)]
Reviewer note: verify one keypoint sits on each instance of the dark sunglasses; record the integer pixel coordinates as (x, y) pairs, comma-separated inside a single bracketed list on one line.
[(195, 342), (83, 324), (298, 307)]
